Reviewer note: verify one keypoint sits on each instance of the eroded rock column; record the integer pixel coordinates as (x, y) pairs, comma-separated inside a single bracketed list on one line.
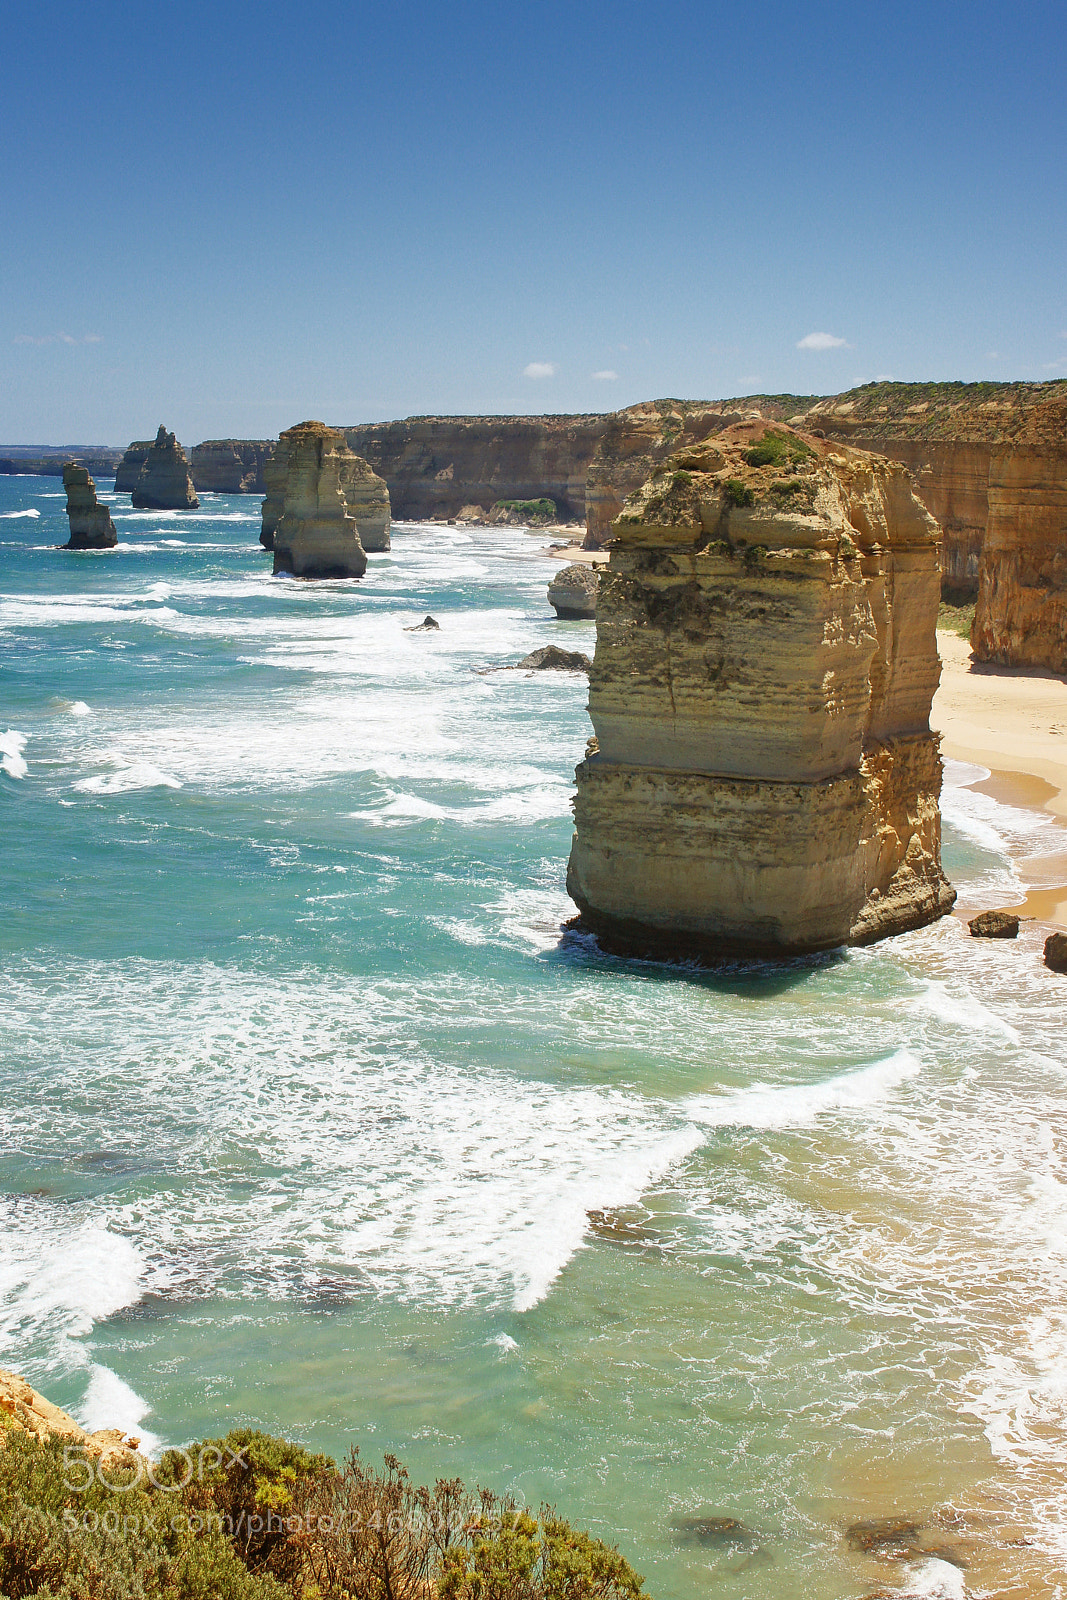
[(164, 483), (366, 495), (315, 536), (763, 778), (91, 527)]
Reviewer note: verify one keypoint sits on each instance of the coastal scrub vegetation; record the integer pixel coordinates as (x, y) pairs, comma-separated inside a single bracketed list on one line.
[(956, 619), (253, 1517), (777, 450), (532, 511)]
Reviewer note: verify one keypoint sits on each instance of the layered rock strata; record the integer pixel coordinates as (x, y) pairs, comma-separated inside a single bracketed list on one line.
[(129, 468), (22, 1408), (315, 537), (230, 466), (366, 494), (163, 483), (763, 778), (572, 592), (91, 527)]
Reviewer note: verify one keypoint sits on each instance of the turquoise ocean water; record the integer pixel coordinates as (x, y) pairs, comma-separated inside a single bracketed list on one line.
[(309, 1118)]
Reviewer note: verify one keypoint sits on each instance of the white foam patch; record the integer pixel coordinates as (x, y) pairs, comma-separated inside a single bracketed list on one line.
[(61, 1272), (12, 516), (961, 1010), (934, 1580), (12, 744), (110, 1403), (798, 1105), (129, 775)]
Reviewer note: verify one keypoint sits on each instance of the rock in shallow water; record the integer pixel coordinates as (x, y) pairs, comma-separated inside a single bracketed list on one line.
[(427, 625), (163, 483), (552, 659), (315, 536), (572, 592), (994, 925), (91, 527), (1056, 952)]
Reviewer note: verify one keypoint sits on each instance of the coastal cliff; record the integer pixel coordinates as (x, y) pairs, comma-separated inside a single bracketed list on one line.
[(763, 777), (365, 494), (315, 537), (91, 527), (438, 466), (230, 466), (163, 483)]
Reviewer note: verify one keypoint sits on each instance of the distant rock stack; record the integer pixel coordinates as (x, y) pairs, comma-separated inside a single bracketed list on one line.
[(163, 483), (129, 468), (315, 537), (764, 779), (91, 527), (366, 495), (572, 592)]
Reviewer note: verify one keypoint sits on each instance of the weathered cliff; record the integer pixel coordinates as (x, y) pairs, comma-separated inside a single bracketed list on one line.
[(763, 778), (129, 468), (635, 441), (49, 461), (91, 527), (23, 1409), (436, 466), (315, 537), (163, 483), (365, 493), (230, 466)]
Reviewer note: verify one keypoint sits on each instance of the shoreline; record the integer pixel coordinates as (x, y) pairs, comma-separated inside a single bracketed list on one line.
[(1013, 722)]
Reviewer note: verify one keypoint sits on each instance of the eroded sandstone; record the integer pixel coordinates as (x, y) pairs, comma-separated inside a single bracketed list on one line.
[(163, 483), (572, 592), (315, 536), (366, 494), (230, 466), (91, 527), (22, 1408), (129, 468), (763, 777)]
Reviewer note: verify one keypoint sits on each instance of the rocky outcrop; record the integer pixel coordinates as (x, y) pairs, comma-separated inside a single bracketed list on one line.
[(27, 1411), (366, 494), (230, 466), (636, 441), (994, 925), (91, 527), (1055, 952), (129, 468), (763, 777), (28, 460), (315, 536), (163, 483), (572, 592), (437, 467)]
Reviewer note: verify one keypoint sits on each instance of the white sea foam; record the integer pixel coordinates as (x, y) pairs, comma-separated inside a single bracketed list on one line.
[(935, 1579), (11, 516), (961, 1010), (110, 1403), (128, 775), (12, 744), (797, 1105)]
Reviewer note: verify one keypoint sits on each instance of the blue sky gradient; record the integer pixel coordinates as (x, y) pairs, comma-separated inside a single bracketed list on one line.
[(230, 217)]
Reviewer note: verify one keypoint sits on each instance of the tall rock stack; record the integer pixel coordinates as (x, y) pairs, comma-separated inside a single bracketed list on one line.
[(163, 483), (315, 537), (366, 495), (763, 778), (91, 527)]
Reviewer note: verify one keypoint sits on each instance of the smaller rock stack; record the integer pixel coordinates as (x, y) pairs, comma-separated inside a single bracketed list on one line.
[(129, 468), (164, 483), (315, 537), (366, 495), (91, 527), (572, 592)]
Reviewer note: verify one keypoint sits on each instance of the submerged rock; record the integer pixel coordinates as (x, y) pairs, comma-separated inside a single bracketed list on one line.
[(163, 483), (994, 925), (427, 625), (572, 592), (91, 527), (552, 659), (714, 1531), (316, 537), (1056, 952), (366, 495), (766, 781)]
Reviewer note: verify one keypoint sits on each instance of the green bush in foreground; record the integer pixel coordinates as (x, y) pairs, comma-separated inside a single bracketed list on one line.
[(252, 1517)]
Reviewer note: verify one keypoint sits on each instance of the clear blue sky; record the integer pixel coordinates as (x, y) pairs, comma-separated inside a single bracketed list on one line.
[(229, 217)]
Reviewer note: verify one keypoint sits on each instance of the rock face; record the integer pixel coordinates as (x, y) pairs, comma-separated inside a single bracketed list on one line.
[(129, 468), (163, 483), (230, 466), (1055, 953), (437, 467), (572, 592), (763, 778), (23, 1408), (994, 925), (91, 527), (366, 494), (315, 536)]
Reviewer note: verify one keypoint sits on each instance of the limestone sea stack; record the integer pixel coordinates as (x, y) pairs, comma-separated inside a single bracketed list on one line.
[(129, 468), (315, 536), (763, 779), (366, 494), (91, 527), (163, 483), (572, 592)]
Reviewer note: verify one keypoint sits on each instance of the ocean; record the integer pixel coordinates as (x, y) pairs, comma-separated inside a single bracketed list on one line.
[(311, 1118)]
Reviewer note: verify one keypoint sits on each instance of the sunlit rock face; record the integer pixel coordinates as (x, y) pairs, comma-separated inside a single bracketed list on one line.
[(230, 466), (163, 483), (91, 527), (366, 495), (315, 537), (129, 468), (763, 777)]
